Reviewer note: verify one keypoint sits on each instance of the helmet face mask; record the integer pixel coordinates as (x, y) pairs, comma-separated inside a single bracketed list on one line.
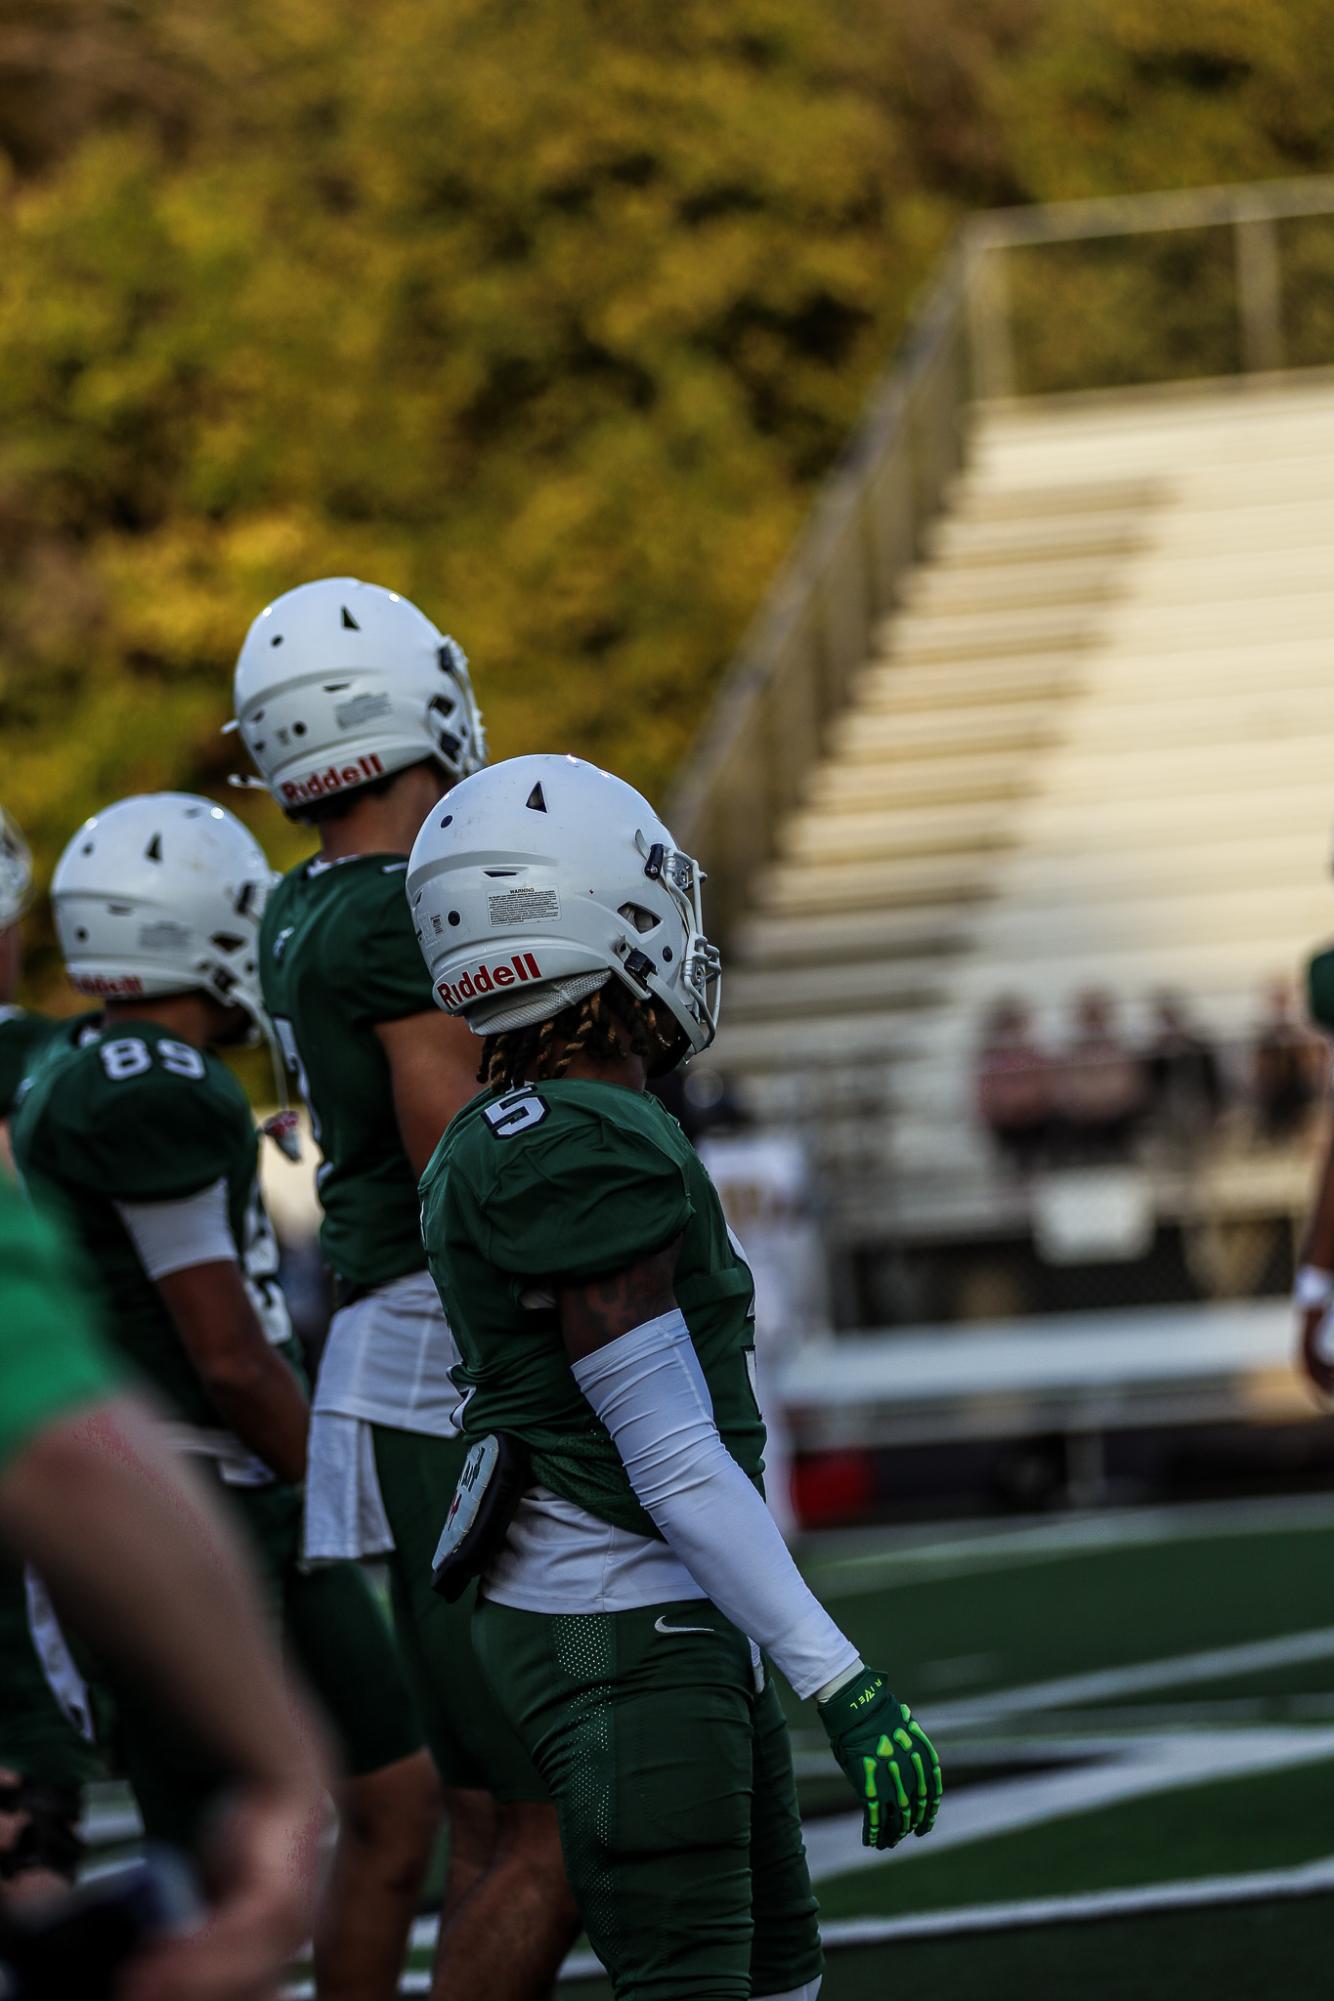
[(340, 683), (159, 894), (543, 878), (701, 974)]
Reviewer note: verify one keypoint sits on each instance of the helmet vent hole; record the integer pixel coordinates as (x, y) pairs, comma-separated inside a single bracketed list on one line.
[(298, 729), (87, 848), (244, 899), (276, 640), (349, 623), (454, 917), (226, 941), (536, 800), (258, 716), (448, 820), (643, 920), (153, 852), (81, 935)]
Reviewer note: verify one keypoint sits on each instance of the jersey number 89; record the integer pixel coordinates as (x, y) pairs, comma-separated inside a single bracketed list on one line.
[(129, 1057)]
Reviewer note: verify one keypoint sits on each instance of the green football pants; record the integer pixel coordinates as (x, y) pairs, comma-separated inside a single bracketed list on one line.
[(336, 1637), (672, 1777), (473, 1743)]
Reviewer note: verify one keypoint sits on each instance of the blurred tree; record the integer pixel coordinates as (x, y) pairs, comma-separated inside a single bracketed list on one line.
[(548, 314)]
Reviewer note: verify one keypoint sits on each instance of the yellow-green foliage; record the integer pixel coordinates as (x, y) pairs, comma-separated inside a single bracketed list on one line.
[(549, 314)]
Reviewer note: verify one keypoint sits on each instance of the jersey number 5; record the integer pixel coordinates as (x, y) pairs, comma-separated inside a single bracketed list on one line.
[(516, 1112)]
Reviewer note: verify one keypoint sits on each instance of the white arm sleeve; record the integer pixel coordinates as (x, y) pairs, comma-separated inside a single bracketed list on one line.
[(649, 1390), (172, 1236)]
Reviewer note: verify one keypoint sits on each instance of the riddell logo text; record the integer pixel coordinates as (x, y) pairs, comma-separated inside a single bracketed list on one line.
[(485, 979), (111, 989), (296, 791)]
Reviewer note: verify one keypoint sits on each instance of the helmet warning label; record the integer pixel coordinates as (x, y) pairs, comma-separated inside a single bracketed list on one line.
[(523, 906)]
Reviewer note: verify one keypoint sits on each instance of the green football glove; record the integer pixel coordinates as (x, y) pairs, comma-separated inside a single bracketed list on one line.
[(889, 1759)]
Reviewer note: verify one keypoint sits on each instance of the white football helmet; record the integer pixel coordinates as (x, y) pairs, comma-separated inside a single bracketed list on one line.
[(540, 879), (15, 872), (339, 683), (162, 894)]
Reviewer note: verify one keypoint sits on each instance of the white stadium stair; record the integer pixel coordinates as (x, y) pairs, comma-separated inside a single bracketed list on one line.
[(1094, 747)]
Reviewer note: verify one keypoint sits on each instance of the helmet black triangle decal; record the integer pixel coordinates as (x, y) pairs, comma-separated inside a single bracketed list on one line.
[(153, 852), (535, 801), (349, 623)]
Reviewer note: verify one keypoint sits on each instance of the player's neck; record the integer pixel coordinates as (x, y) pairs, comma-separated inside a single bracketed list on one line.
[(630, 1072), (388, 822), (190, 1018)]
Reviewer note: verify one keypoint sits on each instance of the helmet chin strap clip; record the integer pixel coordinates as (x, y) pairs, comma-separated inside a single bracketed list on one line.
[(639, 965), (653, 867)]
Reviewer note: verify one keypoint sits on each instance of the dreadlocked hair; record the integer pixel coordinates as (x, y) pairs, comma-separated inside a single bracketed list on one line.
[(607, 1023)]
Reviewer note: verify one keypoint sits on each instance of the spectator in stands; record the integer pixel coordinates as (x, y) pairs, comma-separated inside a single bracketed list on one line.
[(1013, 1086), (1102, 1086), (1185, 1082), (1287, 1063)]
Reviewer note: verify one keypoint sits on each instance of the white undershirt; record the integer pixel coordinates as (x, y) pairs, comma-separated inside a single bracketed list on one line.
[(559, 1558), (172, 1236)]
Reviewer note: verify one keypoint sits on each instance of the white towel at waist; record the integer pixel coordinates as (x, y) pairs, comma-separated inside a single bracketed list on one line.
[(345, 1514), (388, 1358)]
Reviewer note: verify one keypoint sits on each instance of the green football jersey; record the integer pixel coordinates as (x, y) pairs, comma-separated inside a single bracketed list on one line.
[(51, 1361), (126, 1113), (555, 1184), (1320, 989), (337, 955), (22, 1035)]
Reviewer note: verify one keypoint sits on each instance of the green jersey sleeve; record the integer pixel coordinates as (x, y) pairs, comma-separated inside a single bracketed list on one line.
[(1320, 989), (154, 1125), (50, 1361), (373, 937), (571, 1195), (21, 1036)]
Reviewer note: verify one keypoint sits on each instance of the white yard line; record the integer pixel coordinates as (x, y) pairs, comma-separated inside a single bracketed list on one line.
[(1311, 1879), (1130, 1768), (950, 1553), (1137, 1677), (1258, 1886), (1114, 1770)]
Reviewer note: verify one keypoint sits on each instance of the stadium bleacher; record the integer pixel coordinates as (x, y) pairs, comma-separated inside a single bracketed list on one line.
[(1091, 749)]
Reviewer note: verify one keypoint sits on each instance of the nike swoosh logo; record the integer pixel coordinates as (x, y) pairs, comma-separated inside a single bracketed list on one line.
[(661, 1626)]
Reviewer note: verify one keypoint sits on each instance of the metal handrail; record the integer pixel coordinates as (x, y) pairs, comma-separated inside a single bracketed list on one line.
[(746, 770)]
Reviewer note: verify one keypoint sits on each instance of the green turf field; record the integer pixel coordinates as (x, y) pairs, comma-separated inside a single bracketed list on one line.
[(1125, 1704)]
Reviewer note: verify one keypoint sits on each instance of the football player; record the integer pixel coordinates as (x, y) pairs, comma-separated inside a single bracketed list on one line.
[(46, 1755), (359, 714), (634, 1585), (88, 1488), (21, 1033), (141, 1139)]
